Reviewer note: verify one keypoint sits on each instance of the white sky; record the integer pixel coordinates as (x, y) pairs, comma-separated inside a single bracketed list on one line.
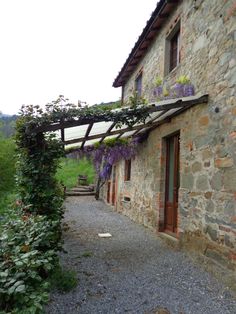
[(71, 47)]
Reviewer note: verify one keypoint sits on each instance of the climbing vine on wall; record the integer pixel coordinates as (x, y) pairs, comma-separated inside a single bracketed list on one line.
[(105, 155)]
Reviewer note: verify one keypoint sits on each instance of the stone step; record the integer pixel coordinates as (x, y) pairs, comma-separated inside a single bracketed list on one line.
[(71, 193), (85, 186), (78, 189)]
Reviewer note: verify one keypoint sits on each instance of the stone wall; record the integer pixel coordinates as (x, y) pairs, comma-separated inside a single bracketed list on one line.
[(208, 42), (207, 194)]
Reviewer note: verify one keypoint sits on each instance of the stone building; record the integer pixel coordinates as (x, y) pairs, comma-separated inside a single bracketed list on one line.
[(182, 181)]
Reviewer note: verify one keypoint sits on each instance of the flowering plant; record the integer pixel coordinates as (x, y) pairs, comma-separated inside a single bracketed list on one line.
[(158, 90), (182, 88), (105, 155)]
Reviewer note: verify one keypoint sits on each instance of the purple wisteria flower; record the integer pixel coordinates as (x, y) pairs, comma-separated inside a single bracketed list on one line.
[(106, 172)]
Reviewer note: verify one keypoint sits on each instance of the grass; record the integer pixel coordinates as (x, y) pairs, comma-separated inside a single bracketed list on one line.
[(7, 173), (71, 168), (6, 199), (63, 280), (87, 254)]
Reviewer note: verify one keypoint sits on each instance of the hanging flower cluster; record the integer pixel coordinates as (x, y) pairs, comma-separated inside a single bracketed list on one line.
[(105, 155)]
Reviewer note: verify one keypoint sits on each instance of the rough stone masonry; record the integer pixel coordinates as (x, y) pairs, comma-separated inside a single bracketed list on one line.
[(207, 193)]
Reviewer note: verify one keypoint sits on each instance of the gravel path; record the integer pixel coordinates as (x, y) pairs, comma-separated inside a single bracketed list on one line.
[(131, 272)]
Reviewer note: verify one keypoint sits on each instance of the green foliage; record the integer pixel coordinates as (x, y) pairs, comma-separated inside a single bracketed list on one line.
[(110, 105), (6, 200), (38, 158), (71, 168), (63, 280), (111, 142), (183, 79), (158, 81), (60, 110), (165, 92), (7, 172), (7, 164), (136, 100), (31, 238), (28, 246)]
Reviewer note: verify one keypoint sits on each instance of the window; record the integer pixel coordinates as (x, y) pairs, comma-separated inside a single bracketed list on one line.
[(173, 49), (127, 170), (138, 84)]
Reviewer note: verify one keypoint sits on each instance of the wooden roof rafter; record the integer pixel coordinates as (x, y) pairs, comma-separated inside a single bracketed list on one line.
[(152, 120), (87, 134), (102, 135), (162, 12), (160, 112), (108, 132)]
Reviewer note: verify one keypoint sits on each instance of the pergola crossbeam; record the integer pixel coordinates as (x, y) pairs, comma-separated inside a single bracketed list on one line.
[(108, 132), (97, 136), (152, 120), (164, 116), (87, 134), (120, 132), (154, 107)]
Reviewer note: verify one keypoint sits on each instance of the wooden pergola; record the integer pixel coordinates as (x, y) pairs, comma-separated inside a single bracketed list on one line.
[(81, 132)]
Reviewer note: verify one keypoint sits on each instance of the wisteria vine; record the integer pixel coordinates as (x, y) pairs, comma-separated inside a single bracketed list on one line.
[(105, 155)]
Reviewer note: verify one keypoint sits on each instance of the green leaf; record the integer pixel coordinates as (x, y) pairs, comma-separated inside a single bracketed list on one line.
[(4, 273), (20, 288)]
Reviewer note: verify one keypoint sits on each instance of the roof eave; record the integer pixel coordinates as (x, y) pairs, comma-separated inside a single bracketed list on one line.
[(153, 26)]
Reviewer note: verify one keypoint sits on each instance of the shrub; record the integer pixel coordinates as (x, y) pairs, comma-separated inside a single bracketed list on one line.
[(28, 246)]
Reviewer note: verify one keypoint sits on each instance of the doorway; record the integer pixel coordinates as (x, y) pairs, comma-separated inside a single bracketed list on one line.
[(172, 183), (113, 199)]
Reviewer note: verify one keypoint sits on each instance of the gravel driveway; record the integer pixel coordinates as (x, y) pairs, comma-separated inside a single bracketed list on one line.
[(131, 272)]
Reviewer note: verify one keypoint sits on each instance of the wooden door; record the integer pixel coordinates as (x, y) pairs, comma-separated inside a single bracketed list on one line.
[(108, 191), (172, 183), (113, 199)]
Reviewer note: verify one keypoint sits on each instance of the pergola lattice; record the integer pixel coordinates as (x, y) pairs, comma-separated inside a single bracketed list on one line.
[(81, 132)]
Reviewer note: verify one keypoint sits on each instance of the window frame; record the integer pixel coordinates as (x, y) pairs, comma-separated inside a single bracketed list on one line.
[(127, 172), (138, 84), (173, 38)]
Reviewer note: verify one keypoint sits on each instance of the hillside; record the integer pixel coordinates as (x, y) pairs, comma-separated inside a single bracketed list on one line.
[(7, 124), (110, 105)]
